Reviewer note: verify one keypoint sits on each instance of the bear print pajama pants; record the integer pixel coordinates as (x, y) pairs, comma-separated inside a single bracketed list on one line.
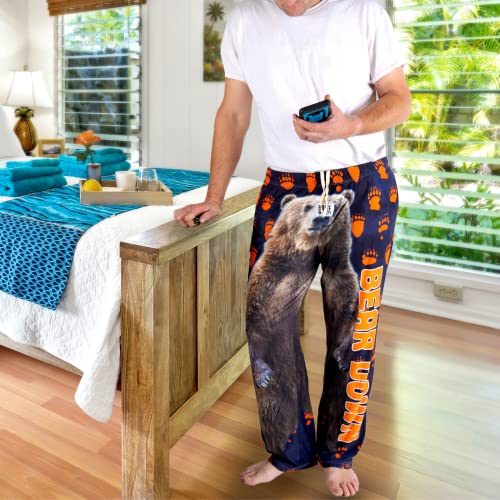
[(351, 235)]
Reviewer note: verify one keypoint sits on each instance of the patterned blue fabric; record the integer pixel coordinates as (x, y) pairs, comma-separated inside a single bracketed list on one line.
[(39, 234)]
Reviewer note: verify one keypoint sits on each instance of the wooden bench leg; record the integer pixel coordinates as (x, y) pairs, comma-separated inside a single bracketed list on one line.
[(145, 381)]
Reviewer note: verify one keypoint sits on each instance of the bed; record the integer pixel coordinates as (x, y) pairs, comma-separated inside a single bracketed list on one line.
[(140, 308)]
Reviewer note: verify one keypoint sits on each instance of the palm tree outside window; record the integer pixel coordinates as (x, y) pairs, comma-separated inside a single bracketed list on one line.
[(447, 154)]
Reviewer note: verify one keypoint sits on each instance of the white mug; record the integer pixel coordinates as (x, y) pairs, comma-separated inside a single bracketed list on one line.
[(126, 180)]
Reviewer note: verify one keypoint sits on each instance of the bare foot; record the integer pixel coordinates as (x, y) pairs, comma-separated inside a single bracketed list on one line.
[(261, 472), (341, 482)]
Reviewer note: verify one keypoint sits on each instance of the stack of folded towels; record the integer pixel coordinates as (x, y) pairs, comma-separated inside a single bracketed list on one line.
[(31, 176), (111, 160)]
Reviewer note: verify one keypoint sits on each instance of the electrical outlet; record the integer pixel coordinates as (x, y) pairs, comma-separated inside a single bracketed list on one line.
[(448, 292)]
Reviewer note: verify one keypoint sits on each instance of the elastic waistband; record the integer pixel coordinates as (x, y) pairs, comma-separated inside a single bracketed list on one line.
[(337, 176)]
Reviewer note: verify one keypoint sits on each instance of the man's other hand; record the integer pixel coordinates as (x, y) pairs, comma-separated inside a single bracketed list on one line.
[(336, 126), (205, 210)]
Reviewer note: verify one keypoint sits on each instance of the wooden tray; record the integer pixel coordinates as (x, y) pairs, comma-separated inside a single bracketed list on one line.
[(163, 197)]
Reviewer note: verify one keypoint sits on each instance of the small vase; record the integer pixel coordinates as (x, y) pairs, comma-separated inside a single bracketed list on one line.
[(94, 171)]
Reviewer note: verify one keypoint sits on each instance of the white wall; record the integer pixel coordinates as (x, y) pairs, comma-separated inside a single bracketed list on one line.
[(41, 54), (182, 137), (13, 43)]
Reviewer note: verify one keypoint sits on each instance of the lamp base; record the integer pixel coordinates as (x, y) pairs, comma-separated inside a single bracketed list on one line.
[(26, 133)]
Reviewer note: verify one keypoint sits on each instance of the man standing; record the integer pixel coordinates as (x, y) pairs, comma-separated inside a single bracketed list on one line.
[(329, 197)]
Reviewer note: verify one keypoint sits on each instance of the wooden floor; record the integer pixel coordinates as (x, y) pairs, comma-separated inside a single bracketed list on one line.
[(432, 425)]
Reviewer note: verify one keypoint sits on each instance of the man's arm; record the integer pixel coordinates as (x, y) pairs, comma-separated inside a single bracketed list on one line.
[(393, 106), (231, 125)]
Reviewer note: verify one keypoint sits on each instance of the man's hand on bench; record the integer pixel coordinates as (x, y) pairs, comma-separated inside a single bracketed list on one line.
[(196, 213)]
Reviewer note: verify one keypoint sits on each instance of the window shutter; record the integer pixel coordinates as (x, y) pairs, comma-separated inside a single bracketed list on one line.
[(446, 156), (61, 7), (99, 77)]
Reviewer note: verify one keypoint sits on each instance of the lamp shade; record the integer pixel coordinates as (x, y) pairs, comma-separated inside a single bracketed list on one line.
[(28, 89)]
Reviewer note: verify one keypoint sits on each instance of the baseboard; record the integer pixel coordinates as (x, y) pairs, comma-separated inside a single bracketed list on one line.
[(409, 286)]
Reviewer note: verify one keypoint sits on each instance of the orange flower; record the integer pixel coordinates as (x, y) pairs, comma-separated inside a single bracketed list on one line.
[(87, 138)]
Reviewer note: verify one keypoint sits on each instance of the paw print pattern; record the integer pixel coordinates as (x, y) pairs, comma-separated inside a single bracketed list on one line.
[(253, 255), (379, 165), (340, 450), (268, 227), (311, 182), (267, 202), (393, 194), (354, 173), (309, 417), (369, 257), (383, 223), (374, 198), (267, 180), (287, 181), (337, 177), (388, 249), (358, 224)]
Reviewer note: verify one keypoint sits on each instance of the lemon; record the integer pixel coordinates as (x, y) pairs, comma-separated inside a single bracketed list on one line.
[(92, 185)]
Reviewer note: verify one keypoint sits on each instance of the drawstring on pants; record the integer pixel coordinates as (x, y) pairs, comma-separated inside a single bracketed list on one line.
[(324, 184)]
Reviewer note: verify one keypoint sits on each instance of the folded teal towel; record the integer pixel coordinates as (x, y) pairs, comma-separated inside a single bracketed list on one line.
[(18, 173), (42, 162), (80, 169), (103, 151), (27, 186), (103, 160)]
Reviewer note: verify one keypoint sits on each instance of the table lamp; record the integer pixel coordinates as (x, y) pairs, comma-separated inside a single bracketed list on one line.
[(27, 90)]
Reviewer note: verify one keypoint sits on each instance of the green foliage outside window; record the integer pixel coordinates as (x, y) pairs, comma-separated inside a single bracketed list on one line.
[(453, 49)]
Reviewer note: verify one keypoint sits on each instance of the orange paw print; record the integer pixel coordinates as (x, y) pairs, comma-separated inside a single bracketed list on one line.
[(379, 165), (253, 255), (388, 249), (311, 182), (383, 223), (358, 224), (393, 194), (374, 198), (337, 177), (267, 202), (354, 173), (287, 181), (309, 418), (267, 180), (369, 257), (268, 227)]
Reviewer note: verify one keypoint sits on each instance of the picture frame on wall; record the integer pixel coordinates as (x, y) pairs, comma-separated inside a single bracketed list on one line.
[(215, 12), (50, 148)]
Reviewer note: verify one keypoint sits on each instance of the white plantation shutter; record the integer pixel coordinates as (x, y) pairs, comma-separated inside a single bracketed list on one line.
[(99, 77), (446, 156)]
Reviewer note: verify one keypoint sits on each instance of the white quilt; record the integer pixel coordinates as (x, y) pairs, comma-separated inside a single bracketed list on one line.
[(85, 329)]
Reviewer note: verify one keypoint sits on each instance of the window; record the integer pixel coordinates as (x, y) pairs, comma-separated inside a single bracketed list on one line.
[(99, 77), (446, 156)]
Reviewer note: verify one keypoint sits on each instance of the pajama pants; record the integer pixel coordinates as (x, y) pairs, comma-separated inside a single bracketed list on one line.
[(291, 237)]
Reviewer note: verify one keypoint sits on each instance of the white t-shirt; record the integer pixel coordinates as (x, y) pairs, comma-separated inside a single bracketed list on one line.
[(337, 47)]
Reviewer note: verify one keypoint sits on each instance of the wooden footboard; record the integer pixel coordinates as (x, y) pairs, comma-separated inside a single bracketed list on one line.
[(183, 334)]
